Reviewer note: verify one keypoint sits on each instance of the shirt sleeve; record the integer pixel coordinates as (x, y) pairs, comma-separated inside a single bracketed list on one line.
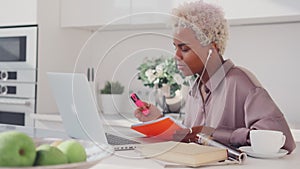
[(260, 112)]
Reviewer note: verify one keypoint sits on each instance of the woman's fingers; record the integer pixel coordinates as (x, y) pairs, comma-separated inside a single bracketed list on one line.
[(154, 112), (180, 135), (187, 135), (147, 105), (197, 129), (137, 114)]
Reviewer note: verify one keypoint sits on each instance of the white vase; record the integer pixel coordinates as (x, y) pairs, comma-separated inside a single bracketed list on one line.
[(174, 104), (113, 103), (166, 90)]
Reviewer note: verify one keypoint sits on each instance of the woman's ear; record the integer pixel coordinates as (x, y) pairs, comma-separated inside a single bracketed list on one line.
[(214, 45)]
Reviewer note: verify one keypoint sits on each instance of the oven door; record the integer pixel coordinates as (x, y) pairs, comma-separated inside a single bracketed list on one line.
[(18, 48), (17, 90), (17, 111)]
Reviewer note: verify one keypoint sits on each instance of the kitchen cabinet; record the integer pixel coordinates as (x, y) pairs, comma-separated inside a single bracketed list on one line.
[(128, 14), (91, 13), (120, 14), (150, 11), (18, 12)]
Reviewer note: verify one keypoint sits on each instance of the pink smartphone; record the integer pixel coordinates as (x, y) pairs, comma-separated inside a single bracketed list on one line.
[(138, 103)]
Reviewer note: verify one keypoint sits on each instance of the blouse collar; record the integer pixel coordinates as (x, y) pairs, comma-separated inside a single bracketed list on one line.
[(215, 79), (219, 75)]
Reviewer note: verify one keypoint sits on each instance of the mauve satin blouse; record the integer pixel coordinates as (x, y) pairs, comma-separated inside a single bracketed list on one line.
[(236, 103)]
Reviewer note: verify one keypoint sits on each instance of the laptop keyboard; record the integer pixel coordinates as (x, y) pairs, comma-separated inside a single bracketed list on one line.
[(117, 140)]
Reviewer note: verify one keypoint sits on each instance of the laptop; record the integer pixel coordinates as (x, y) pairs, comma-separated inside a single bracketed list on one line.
[(78, 110)]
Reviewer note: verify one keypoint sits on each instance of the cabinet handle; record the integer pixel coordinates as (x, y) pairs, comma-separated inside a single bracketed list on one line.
[(93, 75), (88, 74)]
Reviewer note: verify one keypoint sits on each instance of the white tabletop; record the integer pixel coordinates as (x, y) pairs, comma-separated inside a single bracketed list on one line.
[(130, 159)]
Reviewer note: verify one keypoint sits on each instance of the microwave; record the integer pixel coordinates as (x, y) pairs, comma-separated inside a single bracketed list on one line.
[(18, 48), (18, 70)]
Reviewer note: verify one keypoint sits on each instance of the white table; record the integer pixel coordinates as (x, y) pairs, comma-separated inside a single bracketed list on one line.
[(130, 160)]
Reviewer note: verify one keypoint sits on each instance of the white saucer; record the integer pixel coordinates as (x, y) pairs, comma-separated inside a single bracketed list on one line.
[(248, 150)]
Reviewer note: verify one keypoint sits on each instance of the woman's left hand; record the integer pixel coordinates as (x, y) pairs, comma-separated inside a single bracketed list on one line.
[(188, 134)]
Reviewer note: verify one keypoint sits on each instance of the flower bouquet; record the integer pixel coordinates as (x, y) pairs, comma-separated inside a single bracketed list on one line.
[(161, 73)]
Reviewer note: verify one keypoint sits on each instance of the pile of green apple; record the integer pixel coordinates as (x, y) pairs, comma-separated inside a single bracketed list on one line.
[(18, 149)]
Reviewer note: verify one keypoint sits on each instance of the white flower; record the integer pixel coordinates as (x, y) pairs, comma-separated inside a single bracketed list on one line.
[(150, 75), (149, 72), (156, 81), (159, 70), (151, 78)]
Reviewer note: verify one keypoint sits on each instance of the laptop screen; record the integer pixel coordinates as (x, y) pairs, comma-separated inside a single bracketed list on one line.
[(77, 106)]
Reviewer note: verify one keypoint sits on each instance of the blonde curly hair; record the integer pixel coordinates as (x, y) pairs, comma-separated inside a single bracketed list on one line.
[(206, 20)]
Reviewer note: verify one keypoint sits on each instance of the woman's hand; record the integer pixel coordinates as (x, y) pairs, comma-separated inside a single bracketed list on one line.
[(188, 134), (154, 112)]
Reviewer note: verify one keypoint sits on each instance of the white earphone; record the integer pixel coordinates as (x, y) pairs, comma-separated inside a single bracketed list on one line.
[(209, 53), (205, 64)]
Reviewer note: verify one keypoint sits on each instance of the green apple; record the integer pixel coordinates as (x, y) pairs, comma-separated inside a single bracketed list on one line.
[(56, 143), (16, 149), (49, 155), (74, 151)]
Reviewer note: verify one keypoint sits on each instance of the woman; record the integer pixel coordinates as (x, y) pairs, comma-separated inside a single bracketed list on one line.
[(225, 101)]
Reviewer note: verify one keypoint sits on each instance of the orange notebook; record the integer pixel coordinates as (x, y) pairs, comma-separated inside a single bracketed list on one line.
[(162, 128)]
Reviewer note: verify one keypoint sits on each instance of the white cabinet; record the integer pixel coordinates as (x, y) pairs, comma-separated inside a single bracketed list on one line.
[(90, 13), (244, 12), (152, 13), (125, 13), (18, 12)]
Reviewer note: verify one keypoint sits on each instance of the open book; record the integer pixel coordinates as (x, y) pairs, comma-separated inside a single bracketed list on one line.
[(162, 128), (189, 154)]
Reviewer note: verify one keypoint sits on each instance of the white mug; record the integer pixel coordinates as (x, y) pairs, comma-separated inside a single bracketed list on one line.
[(266, 141)]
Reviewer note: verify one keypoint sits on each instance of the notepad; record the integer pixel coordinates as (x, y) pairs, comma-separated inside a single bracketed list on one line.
[(162, 128)]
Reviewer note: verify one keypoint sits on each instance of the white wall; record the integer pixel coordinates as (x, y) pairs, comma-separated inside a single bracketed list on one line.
[(271, 52), (57, 50), (115, 55)]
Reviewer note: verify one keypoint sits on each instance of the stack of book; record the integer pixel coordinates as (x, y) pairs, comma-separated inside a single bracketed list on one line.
[(188, 154)]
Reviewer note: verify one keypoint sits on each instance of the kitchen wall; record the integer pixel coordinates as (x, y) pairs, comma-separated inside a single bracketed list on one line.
[(269, 50), (57, 50)]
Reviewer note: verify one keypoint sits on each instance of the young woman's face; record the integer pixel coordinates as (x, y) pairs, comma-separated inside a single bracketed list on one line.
[(189, 52)]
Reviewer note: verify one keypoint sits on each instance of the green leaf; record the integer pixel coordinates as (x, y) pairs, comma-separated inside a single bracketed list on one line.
[(112, 88)]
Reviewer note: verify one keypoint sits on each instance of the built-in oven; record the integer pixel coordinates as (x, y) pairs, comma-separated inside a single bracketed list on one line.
[(17, 111), (18, 69)]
